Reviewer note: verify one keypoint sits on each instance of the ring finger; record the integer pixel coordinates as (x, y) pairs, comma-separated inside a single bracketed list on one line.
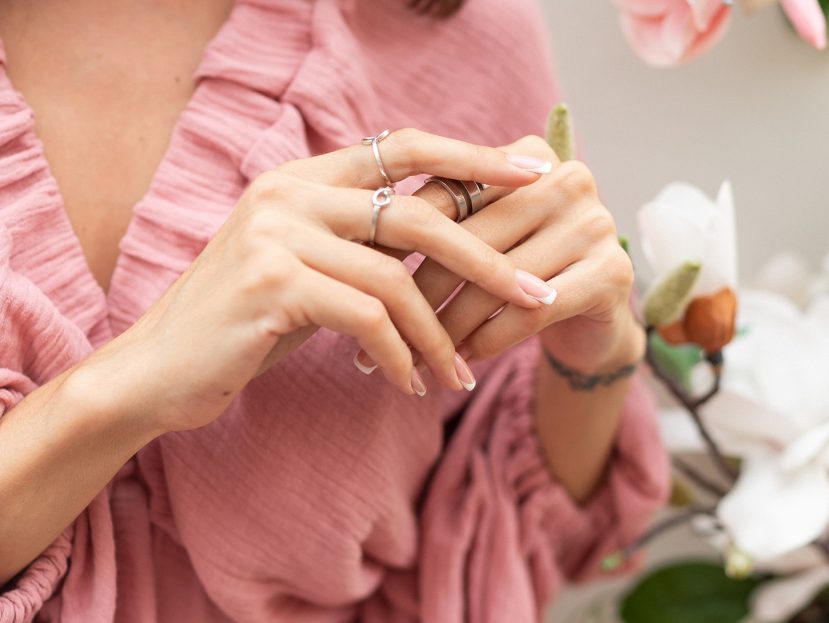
[(388, 280), (412, 224)]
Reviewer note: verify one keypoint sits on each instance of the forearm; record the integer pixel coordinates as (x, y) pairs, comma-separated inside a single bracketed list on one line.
[(58, 449), (577, 428)]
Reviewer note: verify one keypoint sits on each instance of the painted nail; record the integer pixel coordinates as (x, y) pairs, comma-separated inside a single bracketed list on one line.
[(364, 363), (465, 375), (530, 163), (418, 385), (535, 288)]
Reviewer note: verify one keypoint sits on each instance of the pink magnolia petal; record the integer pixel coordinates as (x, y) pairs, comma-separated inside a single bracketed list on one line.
[(704, 12), (645, 37), (666, 32), (646, 8), (808, 20), (678, 31), (710, 37)]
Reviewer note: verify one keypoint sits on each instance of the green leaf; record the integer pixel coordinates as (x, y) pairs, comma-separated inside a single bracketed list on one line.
[(688, 592), (824, 4), (625, 242), (560, 133), (676, 361), (667, 301)]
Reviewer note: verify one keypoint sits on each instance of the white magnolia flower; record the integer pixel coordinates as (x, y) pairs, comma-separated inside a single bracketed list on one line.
[(793, 276), (684, 225), (778, 600), (690, 243), (773, 412)]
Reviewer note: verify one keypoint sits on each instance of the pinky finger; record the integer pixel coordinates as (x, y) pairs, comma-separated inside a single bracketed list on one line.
[(337, 306)]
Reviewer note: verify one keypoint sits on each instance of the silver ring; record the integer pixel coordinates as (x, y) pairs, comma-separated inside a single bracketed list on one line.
[(374, 141), (456, 191), (473, 193), (379, 200)]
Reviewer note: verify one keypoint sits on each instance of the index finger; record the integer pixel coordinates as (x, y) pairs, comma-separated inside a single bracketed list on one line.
[(410, 152)]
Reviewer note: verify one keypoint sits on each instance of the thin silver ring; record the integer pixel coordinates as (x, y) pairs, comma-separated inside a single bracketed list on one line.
[(374, 142), (456, 192), (379, 200)]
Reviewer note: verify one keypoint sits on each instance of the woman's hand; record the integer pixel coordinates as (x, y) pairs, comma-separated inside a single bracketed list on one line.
[(286, 262), (557, 229)]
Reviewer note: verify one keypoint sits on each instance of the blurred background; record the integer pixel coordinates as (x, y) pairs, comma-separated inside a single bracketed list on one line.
[(754, 110)]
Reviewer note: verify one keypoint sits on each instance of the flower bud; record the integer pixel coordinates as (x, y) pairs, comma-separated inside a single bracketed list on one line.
[(560, 133), (738, 564), (710, 320)]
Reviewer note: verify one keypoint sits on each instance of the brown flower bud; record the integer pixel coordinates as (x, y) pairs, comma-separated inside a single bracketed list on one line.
[(673, 333), (710, 321)]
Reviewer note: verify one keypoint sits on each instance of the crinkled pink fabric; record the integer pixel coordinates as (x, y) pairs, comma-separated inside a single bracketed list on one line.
[(321, 495)]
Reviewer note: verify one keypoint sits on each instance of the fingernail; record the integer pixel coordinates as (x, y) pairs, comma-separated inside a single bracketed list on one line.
[(465, 375), (535, 288), (418, 385), (364, 363), (530, 163)]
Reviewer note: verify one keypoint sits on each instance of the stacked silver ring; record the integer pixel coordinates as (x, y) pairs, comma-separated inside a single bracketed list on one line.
[(383, 195), (466, 194)]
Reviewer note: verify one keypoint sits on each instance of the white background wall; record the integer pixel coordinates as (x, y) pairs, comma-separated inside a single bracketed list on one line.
[(754, 110)]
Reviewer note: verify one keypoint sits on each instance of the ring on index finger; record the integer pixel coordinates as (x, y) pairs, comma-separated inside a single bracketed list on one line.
[(374, 143)]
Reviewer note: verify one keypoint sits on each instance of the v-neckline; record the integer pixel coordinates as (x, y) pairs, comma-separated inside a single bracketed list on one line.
[(65, 221)]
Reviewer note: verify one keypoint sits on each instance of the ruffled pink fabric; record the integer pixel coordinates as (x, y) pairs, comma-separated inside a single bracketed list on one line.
[(321, 495)]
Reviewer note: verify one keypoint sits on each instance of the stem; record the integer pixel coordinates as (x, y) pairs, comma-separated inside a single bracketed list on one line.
[(823, 546), (665, 525), (703, 482), (692, 406)]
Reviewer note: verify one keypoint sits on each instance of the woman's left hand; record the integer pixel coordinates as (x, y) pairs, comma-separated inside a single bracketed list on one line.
[(555, 228)]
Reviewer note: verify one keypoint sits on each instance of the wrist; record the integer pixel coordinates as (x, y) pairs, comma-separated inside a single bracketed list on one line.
[(603, 348), (110, 401)]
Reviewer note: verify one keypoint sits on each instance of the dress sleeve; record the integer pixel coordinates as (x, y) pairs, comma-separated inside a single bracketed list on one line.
[(499, 530), (36, 343)]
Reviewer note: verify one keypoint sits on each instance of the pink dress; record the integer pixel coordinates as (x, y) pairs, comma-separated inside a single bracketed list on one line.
[(322, 495)]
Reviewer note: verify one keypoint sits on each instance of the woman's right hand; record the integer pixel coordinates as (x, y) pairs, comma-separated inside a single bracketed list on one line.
[(288, 260)]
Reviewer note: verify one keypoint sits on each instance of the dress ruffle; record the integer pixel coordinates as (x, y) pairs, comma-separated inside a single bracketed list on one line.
[(37, 342), (500, 536)]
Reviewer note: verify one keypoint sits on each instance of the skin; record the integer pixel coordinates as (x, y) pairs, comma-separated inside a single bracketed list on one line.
[(281, 256)]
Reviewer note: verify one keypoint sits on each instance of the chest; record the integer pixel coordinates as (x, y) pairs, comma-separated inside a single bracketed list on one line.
[(106, 82)]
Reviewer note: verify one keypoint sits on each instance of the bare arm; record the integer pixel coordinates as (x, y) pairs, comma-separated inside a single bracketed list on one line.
[(577, 428), (58, 448)]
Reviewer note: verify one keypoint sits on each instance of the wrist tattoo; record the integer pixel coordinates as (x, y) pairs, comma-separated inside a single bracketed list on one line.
[(587, 382)]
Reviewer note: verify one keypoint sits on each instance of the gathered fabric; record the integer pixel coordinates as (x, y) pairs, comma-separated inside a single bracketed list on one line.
[(321, 495)]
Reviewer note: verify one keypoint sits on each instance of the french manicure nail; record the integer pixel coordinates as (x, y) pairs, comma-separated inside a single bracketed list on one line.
[(530, 163), (418, 385), (465, 375), (535, 288), (367, 365)]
